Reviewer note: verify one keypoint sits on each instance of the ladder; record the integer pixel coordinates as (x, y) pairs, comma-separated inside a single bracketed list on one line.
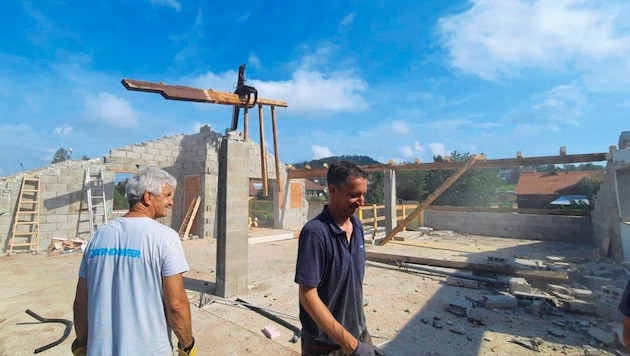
[(184, 230), (95, 195), (26, 221)]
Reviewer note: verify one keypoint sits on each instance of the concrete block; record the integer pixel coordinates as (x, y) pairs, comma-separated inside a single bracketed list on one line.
[(500, 301), (517, 284), (462, 282), (555, 288), (579, 306), (595, 283), (531, 297), (537, 308), (605, 337), (460, 307), (583, 294)]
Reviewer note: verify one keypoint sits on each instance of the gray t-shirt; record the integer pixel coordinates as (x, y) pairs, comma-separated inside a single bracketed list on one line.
[(124, 264)]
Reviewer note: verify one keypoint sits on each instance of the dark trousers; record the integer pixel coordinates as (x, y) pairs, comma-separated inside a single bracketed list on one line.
[(311, 347)]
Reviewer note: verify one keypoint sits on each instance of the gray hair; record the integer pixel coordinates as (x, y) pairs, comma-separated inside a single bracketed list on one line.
[(147, 179)]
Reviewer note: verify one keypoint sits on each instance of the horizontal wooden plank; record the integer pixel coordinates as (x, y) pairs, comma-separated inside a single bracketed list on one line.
[(185, 93), (489, 163)]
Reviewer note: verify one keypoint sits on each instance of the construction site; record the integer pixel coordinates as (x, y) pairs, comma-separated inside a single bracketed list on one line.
[(439, 280)]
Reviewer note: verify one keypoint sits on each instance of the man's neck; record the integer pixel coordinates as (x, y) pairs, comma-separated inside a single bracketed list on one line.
[(139, 211)]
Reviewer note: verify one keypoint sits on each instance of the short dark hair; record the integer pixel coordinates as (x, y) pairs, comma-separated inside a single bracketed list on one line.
[(341, 172)]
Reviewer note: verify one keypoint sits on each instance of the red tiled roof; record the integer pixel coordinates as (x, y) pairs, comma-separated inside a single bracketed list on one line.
[(310, 185), (534, 183)]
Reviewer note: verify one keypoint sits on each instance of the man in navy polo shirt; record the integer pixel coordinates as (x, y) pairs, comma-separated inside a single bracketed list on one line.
[(624, 307), (330, 268)]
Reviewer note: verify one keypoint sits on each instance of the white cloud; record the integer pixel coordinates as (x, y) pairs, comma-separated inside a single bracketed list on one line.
[(438, 149), (170, 3), (254, 61), (407, 151), (447, 126), (223, 81), (400, 127), (63, 130), (418, 147), (487, 125), (320, 151), (244, 17), (497, 37), (348, 20), (317, 92), (562, 104), (111, 109)]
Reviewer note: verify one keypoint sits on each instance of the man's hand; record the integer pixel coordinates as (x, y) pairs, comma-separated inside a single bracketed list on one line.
[(187, 351), (78, 350), (367, 350)]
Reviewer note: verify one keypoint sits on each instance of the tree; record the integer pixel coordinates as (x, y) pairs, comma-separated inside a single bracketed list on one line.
[(120, 202), (85, 158), (375, 193), (410, 185), (61, 155), (476, 187)]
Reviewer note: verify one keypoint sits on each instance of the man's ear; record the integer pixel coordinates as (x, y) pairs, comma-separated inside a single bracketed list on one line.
[(146, 198)]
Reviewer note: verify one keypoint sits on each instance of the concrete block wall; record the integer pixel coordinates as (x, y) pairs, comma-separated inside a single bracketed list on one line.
[(293, 217), (63, 206), (161, 153), (605, 217), (576, 229)]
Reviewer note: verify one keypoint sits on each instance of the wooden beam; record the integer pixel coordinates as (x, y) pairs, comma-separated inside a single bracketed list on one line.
[(493, 163), (276, 153), (503, 269), (431, 198), (263, 152), (245, 124), (184, 93)]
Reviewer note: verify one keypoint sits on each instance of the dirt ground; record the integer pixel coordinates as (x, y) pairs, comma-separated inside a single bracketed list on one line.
[(406, 310)]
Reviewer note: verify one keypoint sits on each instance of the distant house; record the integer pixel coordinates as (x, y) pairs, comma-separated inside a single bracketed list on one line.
[(255, 188), (313, 189), (536, 190)]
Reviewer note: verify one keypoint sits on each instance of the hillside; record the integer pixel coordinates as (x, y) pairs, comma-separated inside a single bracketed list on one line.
[(319, 163)]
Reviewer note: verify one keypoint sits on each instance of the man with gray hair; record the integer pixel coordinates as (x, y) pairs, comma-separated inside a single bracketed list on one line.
[(130, 293)]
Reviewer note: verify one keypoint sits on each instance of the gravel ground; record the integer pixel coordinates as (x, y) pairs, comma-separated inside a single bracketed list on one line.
[(406, 311)]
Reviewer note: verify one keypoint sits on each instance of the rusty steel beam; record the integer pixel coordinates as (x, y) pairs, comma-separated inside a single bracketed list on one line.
[(491, 163), (184, 93)]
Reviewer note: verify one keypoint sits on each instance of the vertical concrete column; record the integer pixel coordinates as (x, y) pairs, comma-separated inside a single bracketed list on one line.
[(390, 200), (232, 230)]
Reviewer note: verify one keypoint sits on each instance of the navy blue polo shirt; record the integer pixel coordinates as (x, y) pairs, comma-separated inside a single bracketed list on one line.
[(624, 305), (328, 262)]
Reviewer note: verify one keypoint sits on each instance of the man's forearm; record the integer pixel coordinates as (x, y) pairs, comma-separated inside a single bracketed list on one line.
[(177, 308), (180, 321), (626, 332), (80, 309)]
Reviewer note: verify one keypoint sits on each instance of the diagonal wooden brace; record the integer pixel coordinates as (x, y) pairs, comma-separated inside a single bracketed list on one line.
[(432, 197)]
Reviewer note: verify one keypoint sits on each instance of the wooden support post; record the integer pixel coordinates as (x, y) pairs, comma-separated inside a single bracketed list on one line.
[(263, 152), (374, 214), (431, 198), (276, 153), (404, 215), (246, 124)]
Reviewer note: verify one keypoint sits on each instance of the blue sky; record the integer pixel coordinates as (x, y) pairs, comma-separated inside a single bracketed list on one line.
[(394, 80)]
